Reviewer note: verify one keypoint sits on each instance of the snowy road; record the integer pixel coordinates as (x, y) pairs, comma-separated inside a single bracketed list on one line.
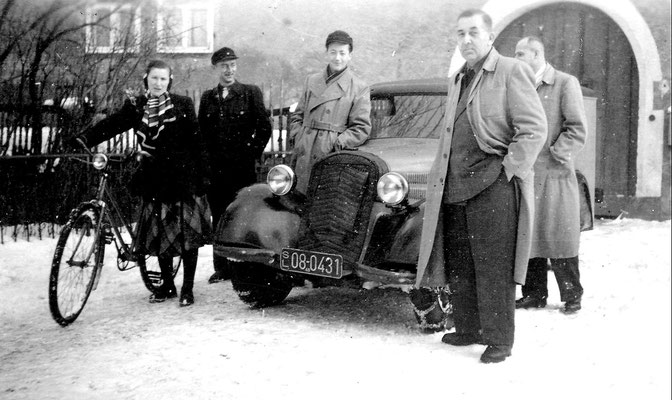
[(336, 343)]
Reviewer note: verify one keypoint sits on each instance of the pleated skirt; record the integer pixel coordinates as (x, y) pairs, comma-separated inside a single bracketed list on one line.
[(167, 229)]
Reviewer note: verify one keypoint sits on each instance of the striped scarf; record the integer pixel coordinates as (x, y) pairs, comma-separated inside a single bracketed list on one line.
[(158, 111)]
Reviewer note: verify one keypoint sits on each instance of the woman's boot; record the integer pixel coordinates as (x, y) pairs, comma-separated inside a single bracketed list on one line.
[(189, 259), (167, 289)]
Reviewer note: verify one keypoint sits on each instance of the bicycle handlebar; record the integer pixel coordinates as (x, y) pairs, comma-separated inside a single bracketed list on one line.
[(83, 145), (128, 154)]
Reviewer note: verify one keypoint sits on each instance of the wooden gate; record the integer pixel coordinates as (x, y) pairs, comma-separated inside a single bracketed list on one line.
[(586, 43)]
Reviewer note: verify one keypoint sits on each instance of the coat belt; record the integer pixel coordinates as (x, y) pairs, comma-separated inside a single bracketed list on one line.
[(325, 126)]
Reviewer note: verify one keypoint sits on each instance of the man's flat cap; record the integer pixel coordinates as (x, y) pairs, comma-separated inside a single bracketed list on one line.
[(339, 37), (223, 54)]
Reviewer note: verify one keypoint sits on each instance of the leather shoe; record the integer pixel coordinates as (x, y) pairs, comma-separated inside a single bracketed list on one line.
[(218, 276), (572, 306), (531, 302), (163, 294), (495, 354), (462, 339)]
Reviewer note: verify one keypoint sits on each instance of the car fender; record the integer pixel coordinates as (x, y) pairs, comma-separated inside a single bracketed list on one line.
[(259, 219), (406, 244), (395, 237)]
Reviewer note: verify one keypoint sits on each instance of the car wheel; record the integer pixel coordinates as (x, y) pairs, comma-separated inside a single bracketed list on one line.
[(260, 285)]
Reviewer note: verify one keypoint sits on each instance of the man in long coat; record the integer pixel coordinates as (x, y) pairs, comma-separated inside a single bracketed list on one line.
[(557, 207), (235, 128), (479, 204), (334, 112)]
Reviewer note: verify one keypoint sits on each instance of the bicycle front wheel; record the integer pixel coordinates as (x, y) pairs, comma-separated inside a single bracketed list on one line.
[(151, 272), (77, 260)]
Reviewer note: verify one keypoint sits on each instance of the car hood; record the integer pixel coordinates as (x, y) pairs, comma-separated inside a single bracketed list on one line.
[(406, 156)]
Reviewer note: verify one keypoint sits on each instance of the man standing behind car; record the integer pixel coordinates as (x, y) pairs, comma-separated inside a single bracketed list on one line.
[(235, 127), (556, 190), (478, 213), (333, 113)]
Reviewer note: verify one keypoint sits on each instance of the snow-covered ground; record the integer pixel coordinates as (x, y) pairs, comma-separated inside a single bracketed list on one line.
[(337, 343)]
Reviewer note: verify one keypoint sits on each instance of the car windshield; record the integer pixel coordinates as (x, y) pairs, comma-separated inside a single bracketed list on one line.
[(407, 116)]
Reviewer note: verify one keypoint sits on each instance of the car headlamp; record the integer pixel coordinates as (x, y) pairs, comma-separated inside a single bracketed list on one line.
[(392, 188), (280, 179), (99, 161)]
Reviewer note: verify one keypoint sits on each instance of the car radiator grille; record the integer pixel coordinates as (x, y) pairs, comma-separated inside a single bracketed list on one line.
[(341, 193), (417, 184)]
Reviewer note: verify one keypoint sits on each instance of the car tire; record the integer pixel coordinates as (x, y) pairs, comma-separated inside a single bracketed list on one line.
[(259, 285)]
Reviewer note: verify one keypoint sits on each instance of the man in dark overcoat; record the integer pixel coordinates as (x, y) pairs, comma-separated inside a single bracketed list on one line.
[(555, 238), (235, 128), (479, 202)]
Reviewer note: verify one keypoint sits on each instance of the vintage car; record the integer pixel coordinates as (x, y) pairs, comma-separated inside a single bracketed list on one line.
[(361, 217)]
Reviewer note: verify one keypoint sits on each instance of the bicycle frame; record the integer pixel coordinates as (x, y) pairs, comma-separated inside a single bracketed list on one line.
[(115, 219), (112, 219), (78, 263)]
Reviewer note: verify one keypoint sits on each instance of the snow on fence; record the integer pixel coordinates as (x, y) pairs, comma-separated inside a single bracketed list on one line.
[(18, 123), (39, 183)]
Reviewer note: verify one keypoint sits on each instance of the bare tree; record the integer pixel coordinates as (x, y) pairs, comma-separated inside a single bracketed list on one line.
[(48, 52)]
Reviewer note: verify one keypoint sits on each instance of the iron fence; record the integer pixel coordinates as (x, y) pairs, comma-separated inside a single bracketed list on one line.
[(40, 182)]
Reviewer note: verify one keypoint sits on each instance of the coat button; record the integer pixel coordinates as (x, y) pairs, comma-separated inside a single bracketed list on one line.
[(440, 180), (448, 129), (328, 111), (445, 155)]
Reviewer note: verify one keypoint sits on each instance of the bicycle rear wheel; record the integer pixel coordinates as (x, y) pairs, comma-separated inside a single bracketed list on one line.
[(77, 260), (151, 272)]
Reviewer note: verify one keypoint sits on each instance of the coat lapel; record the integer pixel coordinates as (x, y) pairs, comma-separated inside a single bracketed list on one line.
[(213, 96), (461, 105), (235, 90), (322, 93), (489, 65), (548, 77)]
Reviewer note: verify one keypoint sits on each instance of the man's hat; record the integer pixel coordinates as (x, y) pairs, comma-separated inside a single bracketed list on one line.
[(339, 37), (223, 54)]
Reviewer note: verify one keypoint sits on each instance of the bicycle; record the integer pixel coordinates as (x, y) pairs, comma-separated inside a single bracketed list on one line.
[(80, 250)]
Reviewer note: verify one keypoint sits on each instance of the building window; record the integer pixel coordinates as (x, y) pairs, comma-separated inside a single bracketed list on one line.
[(115, 28), (185, 27)]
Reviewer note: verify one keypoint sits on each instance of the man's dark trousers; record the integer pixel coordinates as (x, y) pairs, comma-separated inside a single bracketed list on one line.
[(480, 242), (566, 272)]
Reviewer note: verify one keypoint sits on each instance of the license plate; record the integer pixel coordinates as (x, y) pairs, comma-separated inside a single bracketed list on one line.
[(312, 263)]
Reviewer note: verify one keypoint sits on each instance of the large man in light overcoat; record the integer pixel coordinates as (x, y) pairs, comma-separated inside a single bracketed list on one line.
[(480, 201)]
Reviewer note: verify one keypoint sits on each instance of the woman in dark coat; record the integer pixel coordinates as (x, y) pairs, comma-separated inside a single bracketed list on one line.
[(175, 217)]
